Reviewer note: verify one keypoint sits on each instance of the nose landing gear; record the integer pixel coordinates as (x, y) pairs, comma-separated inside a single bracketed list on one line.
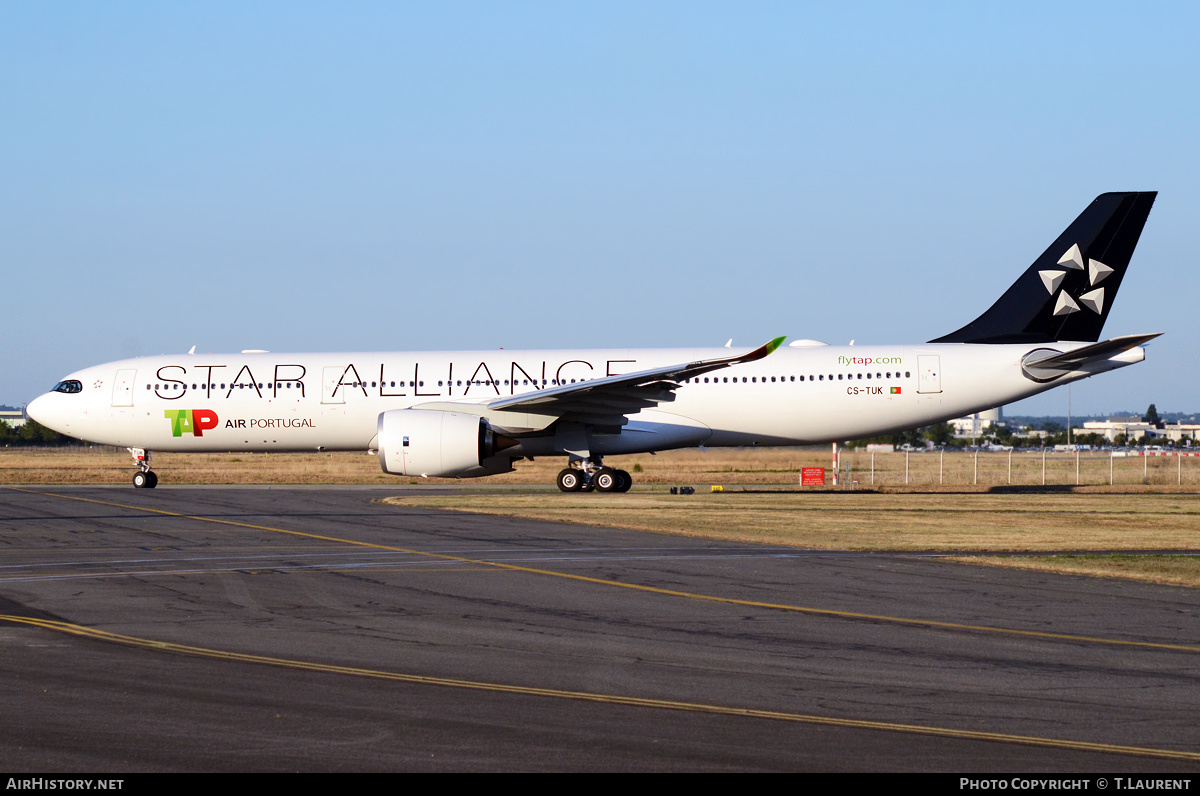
[(147, 479), (144, 478)]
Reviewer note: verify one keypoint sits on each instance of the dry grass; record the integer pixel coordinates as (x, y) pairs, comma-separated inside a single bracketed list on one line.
[(902, 521), (1032, 468), (872, 521), (1167, 569), (753, 466), (99, 465), (102, 465)]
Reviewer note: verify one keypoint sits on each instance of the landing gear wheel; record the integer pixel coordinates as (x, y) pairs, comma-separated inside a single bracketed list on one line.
[(153, 479), (141, 480), (607, 480), (626, 481), (570, 480)]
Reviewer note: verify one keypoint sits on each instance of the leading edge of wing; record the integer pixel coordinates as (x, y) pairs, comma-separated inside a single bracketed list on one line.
[(547, 399)]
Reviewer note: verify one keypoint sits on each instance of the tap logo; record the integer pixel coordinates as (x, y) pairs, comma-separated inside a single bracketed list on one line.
[(191, 421)]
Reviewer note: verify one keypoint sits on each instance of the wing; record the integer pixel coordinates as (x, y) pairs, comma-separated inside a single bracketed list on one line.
[(607, 401)]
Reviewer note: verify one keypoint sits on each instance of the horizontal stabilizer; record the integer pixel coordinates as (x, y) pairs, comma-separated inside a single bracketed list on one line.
[(1045, 364)]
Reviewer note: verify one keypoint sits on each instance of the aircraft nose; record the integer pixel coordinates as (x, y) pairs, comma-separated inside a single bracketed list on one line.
[(42, 411)]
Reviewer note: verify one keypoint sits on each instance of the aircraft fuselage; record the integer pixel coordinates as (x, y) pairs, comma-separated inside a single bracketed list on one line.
[(306, 402)]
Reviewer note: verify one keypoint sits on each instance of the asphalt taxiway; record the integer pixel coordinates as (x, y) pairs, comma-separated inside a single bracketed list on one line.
[(317, 629)]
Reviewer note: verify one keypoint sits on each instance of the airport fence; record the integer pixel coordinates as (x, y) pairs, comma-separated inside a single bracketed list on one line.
[(1037, 467)]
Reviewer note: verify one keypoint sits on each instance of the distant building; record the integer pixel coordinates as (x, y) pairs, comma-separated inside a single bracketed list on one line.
[(1136, 428), (1132, 427), (1181, 432), (979, 423), (14, 417)]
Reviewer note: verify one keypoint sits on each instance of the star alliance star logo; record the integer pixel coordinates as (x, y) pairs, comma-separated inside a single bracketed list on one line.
[(1097, 272)]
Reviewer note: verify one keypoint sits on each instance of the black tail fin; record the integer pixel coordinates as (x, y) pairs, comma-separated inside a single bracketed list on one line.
[(1067, 292)]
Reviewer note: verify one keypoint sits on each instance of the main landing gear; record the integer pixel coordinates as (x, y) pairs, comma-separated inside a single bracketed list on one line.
[(144, 478), (584, 476)]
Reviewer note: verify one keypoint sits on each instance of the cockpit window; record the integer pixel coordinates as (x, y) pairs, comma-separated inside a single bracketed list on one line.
[(70, 385)]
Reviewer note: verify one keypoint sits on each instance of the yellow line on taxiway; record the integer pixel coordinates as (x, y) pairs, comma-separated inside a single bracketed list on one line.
[(608, 699), (801, 609)]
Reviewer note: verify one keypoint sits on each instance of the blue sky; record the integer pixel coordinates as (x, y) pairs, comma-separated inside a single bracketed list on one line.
[(362, 176)]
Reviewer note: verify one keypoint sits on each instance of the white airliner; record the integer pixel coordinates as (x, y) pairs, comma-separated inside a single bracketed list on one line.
[(464, 414)]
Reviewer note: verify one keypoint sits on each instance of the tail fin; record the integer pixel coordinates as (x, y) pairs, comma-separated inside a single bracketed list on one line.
[(1067, 292)]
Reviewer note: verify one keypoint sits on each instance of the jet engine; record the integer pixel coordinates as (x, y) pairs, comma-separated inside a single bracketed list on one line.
[(436, 444)]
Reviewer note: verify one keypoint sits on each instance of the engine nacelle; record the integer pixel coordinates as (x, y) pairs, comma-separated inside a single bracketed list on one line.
[(435, 444)]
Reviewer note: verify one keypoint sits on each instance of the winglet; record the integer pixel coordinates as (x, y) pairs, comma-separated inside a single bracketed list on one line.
[(763, 350)]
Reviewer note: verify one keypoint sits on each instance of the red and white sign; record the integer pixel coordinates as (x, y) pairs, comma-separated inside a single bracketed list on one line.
[(812, 476)]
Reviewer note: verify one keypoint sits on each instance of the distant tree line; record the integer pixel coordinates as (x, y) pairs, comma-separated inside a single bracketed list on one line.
[(31, 433)]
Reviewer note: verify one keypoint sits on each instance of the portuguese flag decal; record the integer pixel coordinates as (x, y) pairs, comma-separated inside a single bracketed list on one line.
[(895, 391)]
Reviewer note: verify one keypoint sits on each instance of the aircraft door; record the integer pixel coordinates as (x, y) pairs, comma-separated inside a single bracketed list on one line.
[(123, 388), (929, 373), (330, 392)]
